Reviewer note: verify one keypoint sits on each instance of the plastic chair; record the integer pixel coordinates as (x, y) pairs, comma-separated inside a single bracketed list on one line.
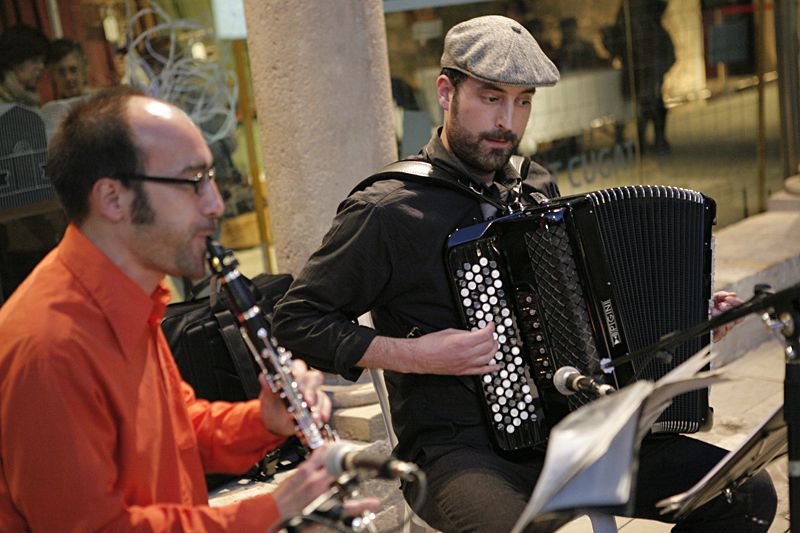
[(415, 524)]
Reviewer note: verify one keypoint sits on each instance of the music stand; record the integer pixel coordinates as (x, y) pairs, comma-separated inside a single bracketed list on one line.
[(781, 313), (762, 446), (592, 454), (556, 490)]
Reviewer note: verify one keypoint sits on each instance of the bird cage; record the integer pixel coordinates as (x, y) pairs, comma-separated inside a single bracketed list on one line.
[(23, 152)]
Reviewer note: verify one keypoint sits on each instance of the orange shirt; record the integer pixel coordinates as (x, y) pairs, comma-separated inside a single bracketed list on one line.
[(97, 430)]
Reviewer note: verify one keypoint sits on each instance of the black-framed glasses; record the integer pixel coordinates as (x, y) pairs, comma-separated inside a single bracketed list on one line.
[(199, 181)]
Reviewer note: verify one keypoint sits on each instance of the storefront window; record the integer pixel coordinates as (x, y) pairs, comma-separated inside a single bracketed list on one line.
[(168, 51), (652, 92)]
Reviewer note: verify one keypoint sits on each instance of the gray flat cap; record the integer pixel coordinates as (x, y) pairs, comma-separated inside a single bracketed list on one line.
[(498, 49)]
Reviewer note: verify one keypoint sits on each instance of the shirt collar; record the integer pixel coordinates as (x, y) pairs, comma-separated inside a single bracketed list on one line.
[(128, 309), (439, 155)]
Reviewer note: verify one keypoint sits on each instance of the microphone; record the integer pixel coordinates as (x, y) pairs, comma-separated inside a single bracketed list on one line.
[(341, 457), (568, 380)]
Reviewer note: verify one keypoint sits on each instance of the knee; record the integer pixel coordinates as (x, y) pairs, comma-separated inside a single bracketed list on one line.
[(759, 492), (752, 509)]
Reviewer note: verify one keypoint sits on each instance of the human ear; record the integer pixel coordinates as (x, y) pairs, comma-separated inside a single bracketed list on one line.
[(106, 198), (444, 91)]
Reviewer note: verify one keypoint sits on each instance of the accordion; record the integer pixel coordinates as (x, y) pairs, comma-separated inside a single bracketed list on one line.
[(582, 281)]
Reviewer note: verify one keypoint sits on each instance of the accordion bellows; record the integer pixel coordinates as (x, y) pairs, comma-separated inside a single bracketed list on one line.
[(580, 280)]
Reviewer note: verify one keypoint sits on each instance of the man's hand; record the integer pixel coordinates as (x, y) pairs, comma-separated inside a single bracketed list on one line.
[(453, 352), (309, 480), (273, 411), (722, 302), (457, 352)]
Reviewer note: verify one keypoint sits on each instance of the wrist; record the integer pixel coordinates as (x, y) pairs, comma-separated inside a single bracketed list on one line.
[(398, 355)]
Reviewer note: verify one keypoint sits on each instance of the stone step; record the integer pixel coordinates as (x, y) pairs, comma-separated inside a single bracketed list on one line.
[(353, 395), (784, 200), (362, 423)]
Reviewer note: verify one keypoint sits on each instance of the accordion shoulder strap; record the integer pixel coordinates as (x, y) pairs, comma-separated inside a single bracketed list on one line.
[(419, 171)]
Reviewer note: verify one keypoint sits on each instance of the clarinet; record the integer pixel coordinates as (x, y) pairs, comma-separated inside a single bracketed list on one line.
[(275, 362)]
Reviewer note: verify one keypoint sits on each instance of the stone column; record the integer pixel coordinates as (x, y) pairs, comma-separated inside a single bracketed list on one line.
[(320, 73)]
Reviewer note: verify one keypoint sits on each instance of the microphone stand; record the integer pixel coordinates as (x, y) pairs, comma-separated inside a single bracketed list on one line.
[(327, 509), (781, 313), (784, 320)]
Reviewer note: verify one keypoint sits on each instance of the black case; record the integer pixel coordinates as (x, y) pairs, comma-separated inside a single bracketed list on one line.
[(209, 350)]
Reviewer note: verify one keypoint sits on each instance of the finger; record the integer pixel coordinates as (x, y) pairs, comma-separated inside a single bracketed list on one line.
[(313, 380), (360, 506), (312, 482), (316, 459), (308, 380), (299, 371), (323, 407), (266, 390), (477, 335), (469, 348), (721, 295), (310, 386), (299, 366), (487, 330), (479, 353), (735, 300), (484, 338), (720, 307)]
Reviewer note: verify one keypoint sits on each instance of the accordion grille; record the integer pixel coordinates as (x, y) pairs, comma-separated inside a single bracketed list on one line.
[(654, 243), (562, 302)]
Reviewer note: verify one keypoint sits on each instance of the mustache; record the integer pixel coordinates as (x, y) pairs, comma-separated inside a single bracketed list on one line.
[(210, 227), (499, 136)]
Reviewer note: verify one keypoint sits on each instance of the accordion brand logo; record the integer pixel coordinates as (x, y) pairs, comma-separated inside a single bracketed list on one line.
[(611, 322)]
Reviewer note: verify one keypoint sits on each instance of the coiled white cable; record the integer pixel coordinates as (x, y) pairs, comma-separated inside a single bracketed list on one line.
[(206, 92)]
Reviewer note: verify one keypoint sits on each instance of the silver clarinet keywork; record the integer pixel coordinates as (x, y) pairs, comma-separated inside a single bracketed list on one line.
[(274, 361), (276, 366)]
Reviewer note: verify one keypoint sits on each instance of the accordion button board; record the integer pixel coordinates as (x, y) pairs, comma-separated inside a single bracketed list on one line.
[(510, 392)]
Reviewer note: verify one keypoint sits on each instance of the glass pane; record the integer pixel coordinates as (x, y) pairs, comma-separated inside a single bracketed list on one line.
[(652, 92)]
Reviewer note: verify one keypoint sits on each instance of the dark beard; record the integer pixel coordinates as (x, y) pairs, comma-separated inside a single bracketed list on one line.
[(467, 146), (141, 211)]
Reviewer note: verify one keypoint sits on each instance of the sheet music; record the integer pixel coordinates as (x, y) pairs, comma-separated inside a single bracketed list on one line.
[(581, 440)]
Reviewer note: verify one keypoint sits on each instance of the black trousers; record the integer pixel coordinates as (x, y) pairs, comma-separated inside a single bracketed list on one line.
[(474, 489)]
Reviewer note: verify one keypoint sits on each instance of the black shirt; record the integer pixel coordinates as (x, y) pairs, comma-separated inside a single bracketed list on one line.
[(385, 254)]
